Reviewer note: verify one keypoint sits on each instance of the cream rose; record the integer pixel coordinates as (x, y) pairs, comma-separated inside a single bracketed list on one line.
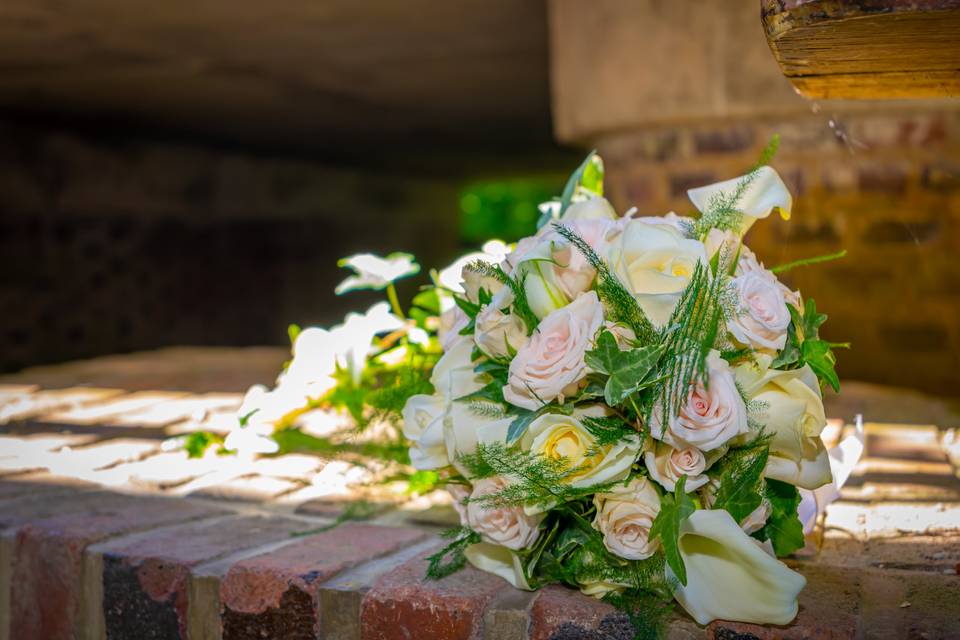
[(510, 527), (793, 414), (557, 436), (656, 262), (730, 576), (709, 416), (499, 333), (423, 427), (624, 517), (551, 365), (474, 281), (765, 193), (667, 464), (763, 317), (452, 322), (597, 208)]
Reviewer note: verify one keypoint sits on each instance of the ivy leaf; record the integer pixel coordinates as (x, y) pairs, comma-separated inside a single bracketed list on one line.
[(627, 369), (740, 483), (674, 509), (520, 423), (588, 176), (492, 391), (783, 528), (818, 354)]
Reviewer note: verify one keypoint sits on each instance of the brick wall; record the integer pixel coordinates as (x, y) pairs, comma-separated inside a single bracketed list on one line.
[(886, 187), (111, 244)]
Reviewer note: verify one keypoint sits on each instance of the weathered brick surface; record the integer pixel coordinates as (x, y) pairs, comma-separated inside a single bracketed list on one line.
[(559, 612), (402, 604), (144, 577), (47, 564), (274, 595)]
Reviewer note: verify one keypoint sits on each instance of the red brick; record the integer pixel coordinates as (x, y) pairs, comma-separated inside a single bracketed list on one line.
[(559, 610), (47, 566), (274, 595), (403, 604), (144, 577), (828, 610)]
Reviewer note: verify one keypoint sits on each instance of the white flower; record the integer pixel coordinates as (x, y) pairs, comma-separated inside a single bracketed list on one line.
[(656, 263), (353, 339), (374, 272), (730, 576), (595, 208), (763, 317), (765, 193), (793, 414), (423, 427), (510, 527), (557, 436), (551, 364), (709, 416), (624, 517), (452, 278), (667, 464), (499, 333), (452, 322), (680, 223), (499, 561)]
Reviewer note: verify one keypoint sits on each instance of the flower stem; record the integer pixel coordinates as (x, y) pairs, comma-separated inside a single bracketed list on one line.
[(394, 301)]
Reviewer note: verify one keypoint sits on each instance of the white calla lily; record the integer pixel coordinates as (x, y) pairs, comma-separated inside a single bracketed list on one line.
[(730, 576), (765, 193), (499, 561)]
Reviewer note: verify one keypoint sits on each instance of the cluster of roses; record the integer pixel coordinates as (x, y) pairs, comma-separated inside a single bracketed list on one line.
[(743, 391)]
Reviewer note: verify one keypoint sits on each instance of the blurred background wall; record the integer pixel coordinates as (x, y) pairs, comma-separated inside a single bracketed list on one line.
[(189, 173)]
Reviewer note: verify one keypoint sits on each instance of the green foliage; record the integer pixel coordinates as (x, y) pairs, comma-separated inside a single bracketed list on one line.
[(804, 345), (197, 443), (621, 306), (421, 482), (425, 304), (741, 480), (451, 559), (783, 527), (627, 370), (688, 337), (536, 481), (647, 612), (607, 430), (506, 209), (293, 330), (803, 262), (674, 509), (520, 305), (722, 209), (295, 440), (395, 388), (587, 180)]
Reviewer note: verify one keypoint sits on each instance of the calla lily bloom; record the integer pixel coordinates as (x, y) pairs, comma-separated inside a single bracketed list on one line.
[(765, 193), (730, 576), (499, 561)]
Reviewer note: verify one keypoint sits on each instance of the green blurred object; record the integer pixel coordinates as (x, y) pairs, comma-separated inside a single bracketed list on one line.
[(504, 209)]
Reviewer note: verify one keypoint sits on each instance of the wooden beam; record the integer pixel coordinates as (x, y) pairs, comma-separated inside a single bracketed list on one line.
[(866, 49)]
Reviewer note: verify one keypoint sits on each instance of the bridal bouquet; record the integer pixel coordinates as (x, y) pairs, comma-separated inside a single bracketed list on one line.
[(629, 404)]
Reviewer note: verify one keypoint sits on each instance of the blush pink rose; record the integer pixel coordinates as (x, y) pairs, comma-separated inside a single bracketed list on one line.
[(709, 416), (551, 365), (763, 318)]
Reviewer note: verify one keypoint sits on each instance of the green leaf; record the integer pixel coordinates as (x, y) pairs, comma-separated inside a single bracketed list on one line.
[(589, 176), (492, 391), (674, 509), (740, 483), (197, 443), (519, 425), (627, 370), (293, 331), (451, 559), (783, 528)]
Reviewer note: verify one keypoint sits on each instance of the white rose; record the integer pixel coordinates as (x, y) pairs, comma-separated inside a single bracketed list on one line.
[(510, 527), (474, 281), (763, 317), (551, 365), (557, 436), (765, 193), (596, 208), (730, 576), (452, 322), (624, 517), (499, 334), (667, 464), (794, 416), (709, 416), (656, 263), (680, 223), (453, 377), (423, 427)]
